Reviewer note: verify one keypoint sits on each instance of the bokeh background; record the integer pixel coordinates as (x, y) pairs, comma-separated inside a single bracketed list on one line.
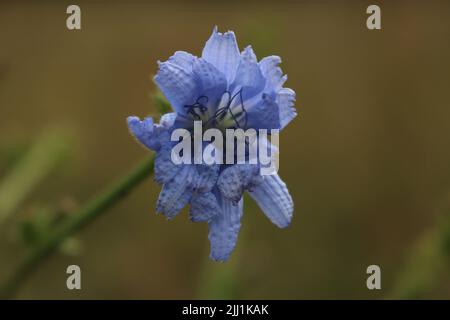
[(367, 160)]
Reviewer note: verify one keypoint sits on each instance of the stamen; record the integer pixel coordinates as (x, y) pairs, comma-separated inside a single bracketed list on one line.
[(191, 107), (222, 112)]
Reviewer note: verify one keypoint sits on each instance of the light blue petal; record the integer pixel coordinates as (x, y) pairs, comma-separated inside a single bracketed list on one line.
[(234, 180), (175, 194), (224, 229), (165, 169), (182, 59), (204, 207), (212, 82), (264, 115), (144, 131), (221, 50), (284, 97), (177, 85), (204, 177), (273, 197), (272, 73), (150, 134), (167, 120), (249, 77), (285, 100)]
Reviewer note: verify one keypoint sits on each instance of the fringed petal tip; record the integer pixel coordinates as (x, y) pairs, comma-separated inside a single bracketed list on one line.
[(135, 124), (228, 33), (222, 51), (142, 130), (248, 54), (285, 99)]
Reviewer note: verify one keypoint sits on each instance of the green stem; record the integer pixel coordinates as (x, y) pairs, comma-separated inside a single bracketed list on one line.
[(92, 210), (45, 155)]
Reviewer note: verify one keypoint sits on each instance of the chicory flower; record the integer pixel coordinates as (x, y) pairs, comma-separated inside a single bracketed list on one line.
[(224, 88)]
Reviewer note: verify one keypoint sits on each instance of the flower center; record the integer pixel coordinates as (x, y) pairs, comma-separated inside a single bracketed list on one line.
[(228, 112)]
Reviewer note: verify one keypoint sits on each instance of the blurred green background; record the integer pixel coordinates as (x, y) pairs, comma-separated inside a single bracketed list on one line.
[(366, 161)]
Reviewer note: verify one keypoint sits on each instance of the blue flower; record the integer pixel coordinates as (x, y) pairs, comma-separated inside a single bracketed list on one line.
[(224, 89)]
